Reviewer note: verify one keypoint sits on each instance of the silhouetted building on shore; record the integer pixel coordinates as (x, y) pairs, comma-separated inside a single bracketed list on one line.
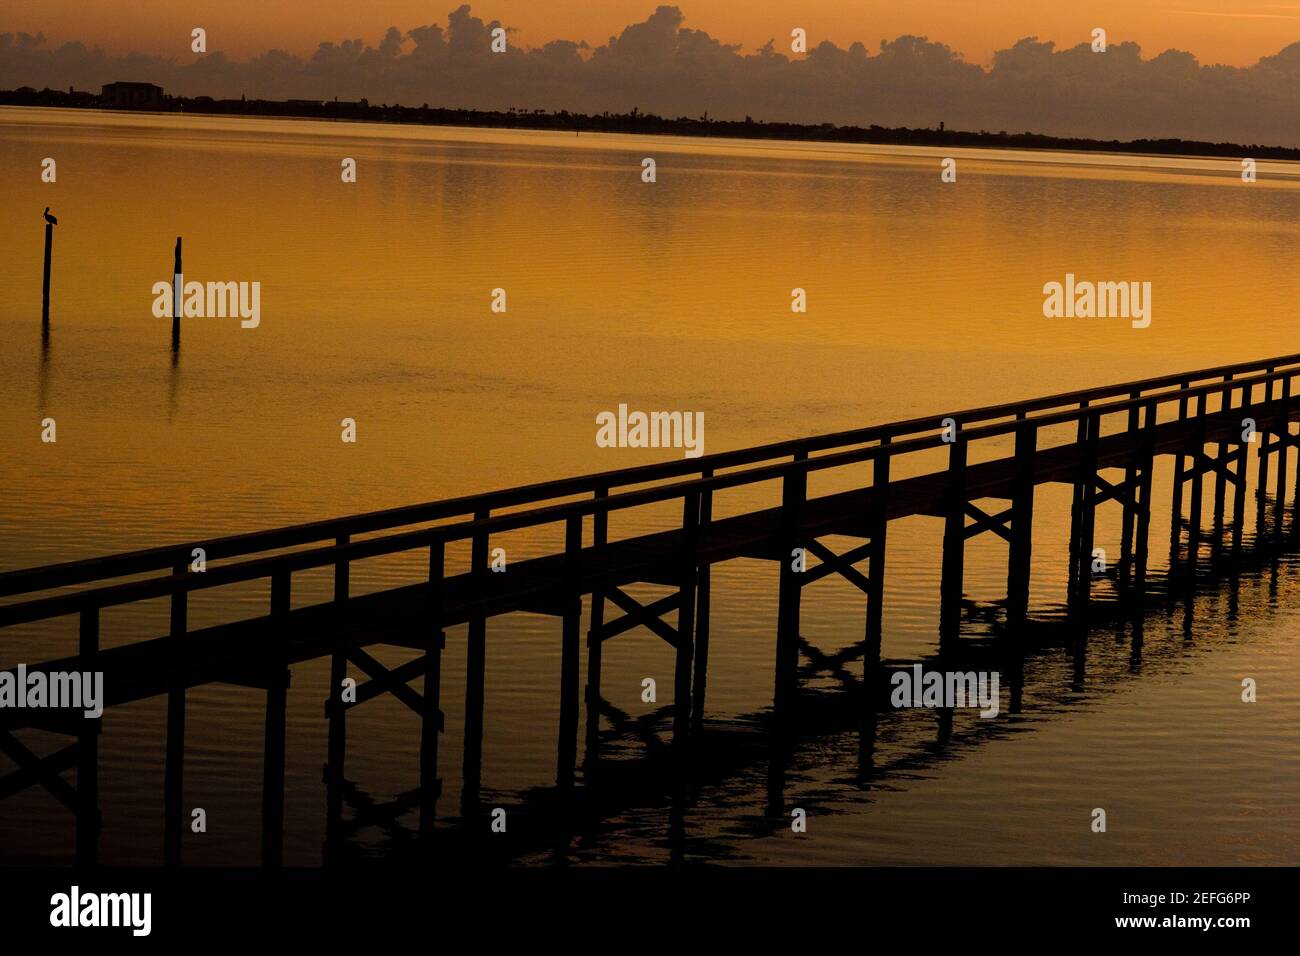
[(132, 96)]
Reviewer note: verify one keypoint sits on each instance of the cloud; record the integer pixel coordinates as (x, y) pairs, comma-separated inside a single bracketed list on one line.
[(663, 66)]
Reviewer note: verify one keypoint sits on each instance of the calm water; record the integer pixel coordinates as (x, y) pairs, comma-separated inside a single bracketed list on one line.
[(923, 297)]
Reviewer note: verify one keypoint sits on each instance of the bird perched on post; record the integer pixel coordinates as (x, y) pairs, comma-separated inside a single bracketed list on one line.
[(50, 219)]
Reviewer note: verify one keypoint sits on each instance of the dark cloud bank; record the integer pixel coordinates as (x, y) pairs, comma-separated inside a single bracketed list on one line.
[(664, 67)]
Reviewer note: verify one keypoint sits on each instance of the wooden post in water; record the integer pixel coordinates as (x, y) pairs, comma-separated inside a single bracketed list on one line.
[(45, 282), (177, 280)]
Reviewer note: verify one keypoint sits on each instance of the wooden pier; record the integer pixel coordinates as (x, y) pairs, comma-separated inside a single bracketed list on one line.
[(1207, 420)]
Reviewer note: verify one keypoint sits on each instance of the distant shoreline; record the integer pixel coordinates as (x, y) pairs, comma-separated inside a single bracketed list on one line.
[(650, 124)]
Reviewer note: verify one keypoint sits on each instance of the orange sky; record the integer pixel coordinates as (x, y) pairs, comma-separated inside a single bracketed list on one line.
[(1236, 32)]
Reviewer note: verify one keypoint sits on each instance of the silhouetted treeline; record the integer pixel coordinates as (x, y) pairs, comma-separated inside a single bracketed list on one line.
[(648, 123)]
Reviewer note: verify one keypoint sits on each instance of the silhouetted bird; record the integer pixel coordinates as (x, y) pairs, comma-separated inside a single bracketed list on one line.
[(50, 219)]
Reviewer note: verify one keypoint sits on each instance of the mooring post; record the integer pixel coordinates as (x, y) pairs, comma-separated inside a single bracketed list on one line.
[(178, 277), (45, 282), (794, 490), (702, 599), (173, 781), (954, 544), (88, 816), (572, 624), (277, 694), (475, 675), (431, 714), (595, 638), (686, 616)]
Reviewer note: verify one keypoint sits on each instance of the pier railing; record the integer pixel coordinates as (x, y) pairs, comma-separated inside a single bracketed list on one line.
[(775, 461)]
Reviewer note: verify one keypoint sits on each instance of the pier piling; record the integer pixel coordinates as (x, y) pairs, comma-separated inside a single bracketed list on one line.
[(277, 699), (569, 651), (475, 676), (173, 782), (600, 533), (702, 601), (686, 618), (793, 493), (954, 544), (88, 815), (430, 712), (1020, 550)]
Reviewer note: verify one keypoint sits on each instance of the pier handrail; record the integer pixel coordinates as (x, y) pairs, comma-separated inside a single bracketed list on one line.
[(344, 552), (124, 564)]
